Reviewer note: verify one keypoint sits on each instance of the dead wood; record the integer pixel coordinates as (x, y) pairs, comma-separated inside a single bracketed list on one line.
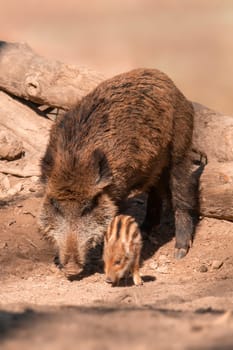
[(25, 74), (28, 128), (213, 134), (216, 191)]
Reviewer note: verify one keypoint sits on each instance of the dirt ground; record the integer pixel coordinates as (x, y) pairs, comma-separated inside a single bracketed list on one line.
[(185, 304)]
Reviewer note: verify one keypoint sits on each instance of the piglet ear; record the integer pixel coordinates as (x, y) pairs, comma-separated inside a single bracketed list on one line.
[(101, 169)]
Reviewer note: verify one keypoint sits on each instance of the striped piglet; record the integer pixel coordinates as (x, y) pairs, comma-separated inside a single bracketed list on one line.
[(122, 247)]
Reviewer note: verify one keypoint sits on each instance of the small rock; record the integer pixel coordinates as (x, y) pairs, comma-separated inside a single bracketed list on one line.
[(154, 265), (162, 269), (16, 189), (4, 183), (162, 257), (10, 147), (203, 268), (35, 179), (216, 264), (4, 186), (31, 189), (3, 245)]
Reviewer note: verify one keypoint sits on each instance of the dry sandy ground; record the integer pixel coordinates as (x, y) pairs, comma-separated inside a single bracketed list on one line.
[(185, 304)]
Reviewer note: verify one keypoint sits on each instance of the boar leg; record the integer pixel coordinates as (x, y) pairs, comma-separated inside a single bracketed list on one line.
[(153, 211), (135, 272), (183, 202)]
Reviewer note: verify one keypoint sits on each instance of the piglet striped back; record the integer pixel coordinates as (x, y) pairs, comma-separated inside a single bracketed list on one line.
[(125, 229)]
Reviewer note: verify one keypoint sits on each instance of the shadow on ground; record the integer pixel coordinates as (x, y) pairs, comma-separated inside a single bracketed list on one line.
[(103, 327)]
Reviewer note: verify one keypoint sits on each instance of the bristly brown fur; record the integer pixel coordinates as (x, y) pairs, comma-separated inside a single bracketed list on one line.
[(120, 138)]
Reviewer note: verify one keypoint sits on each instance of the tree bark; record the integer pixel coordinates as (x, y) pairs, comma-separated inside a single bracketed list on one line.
[(216, 191), (213, 134), (25, 74), (27, 127)]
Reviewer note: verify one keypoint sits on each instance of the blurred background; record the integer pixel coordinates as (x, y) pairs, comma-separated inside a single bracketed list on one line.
[(190, 40)]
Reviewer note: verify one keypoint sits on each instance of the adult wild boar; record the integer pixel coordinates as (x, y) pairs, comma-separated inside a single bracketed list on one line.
[(120, 138)]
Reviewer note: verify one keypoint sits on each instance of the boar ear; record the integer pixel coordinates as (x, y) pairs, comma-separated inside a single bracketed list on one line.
[(46, 165), (102, 169)]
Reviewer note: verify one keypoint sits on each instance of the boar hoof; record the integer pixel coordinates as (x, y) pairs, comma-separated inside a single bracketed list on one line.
[(138, 282), (72, 275), (180, 253)]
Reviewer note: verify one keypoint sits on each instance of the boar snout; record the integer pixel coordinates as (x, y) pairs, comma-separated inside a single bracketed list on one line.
[(108, 280), (72, 270), (112, 279), (70, 260)]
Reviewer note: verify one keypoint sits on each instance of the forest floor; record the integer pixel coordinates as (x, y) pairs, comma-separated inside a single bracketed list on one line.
[(186, 304)]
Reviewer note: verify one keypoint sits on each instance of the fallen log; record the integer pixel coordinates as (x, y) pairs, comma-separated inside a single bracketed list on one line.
[(25, 74), (216, 191), (27, 127), (60, 85), (213, 134), (57, 84)]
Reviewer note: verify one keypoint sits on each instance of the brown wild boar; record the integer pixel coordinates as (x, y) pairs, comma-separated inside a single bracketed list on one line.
[(122, 248), (121, 137)]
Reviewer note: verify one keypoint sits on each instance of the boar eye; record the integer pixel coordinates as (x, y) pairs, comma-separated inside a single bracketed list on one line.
[(55, 205), (117, 262), (89, 206), (86, 209)]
